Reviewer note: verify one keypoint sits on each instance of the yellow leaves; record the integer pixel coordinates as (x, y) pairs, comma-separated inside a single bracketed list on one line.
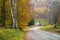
[(24, 15), (8, 22), (23, 8), (26, 28), (24, 18), (24, 1), (41, 10), (7, 3)]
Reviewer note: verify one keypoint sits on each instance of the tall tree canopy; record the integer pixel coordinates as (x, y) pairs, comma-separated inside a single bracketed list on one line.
[(15, 12), (24, 14)]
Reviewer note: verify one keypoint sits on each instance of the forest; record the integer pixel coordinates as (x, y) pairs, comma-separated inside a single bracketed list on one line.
[(17, 17), (14, 13)]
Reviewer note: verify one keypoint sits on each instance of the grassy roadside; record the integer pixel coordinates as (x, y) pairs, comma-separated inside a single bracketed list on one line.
[(42, 21), (50, 28), (11, 34)]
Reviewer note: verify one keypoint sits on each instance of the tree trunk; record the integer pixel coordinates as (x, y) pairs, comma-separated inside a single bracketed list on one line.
[(3, 13), (13, 12)]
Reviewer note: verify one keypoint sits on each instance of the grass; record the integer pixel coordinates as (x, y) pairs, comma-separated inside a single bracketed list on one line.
[(58, 26), (43, 22), (11, 34), (50, 28)]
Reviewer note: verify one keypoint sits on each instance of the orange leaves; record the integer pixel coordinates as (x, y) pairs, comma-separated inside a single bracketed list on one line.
[(23, 10), (24, 18), (24, 15)]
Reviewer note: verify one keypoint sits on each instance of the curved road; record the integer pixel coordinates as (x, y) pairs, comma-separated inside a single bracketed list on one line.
[(41, 35)]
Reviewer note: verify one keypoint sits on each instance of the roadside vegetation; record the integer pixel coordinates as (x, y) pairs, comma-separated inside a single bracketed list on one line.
[(42, 22), (11, 34), (48, 27), (51, 28)]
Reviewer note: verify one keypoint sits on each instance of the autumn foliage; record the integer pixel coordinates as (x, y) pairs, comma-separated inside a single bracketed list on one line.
[(23, 13)]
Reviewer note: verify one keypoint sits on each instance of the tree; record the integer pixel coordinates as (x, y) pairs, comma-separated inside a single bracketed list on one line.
[(31, 22), (13, 12), (24, 13), (52, 14), (3, 13)]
